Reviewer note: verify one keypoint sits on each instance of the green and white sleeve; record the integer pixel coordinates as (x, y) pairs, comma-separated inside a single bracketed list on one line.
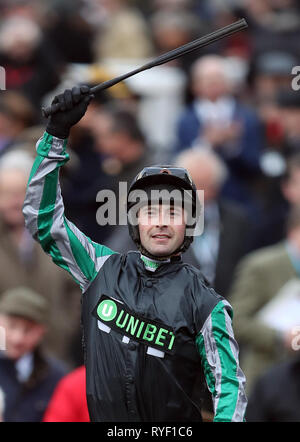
[(44, 216), (219, 354)]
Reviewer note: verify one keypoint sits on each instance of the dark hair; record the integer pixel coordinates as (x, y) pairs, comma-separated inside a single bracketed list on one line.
[(125, 122)]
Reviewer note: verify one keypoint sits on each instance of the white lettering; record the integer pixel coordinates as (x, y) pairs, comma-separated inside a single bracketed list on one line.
[(124, 432), (296, 340), (2, 338), (109, 207), (2, 78), (295, 82)]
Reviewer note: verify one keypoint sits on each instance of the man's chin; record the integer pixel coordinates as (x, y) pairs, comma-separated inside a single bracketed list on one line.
[(14, 355), (161, 252)]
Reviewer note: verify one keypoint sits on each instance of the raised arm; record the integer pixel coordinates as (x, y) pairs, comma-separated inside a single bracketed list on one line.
[(219, 354), (43, 207)]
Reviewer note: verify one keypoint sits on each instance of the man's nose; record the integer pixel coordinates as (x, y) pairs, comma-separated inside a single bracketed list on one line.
[(163, 220)]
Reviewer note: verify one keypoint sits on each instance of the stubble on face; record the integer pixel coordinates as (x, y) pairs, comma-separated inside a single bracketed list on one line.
[(161, 228)]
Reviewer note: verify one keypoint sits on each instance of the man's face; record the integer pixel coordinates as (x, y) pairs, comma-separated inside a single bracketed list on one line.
[(21, 335), (162, 228), (209, 82), (12, 194), (204, 175)]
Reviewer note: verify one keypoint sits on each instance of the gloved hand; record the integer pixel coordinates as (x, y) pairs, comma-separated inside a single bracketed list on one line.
[(74, 104)]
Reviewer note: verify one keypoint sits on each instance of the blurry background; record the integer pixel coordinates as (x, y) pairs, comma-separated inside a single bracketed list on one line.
[(228, 113)]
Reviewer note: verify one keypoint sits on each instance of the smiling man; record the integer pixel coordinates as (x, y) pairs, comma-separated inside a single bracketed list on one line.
[(153, 330), (161, 228)]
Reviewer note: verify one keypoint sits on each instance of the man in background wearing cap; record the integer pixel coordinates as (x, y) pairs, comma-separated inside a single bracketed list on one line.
[(27, 376)]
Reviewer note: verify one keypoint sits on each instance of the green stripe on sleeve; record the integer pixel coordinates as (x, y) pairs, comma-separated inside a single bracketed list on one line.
[(214, 343), (206, 367), (37, 162), (45, 217), (46, 145), (43, 149), (100, 250), (83, 259), (229, 381)]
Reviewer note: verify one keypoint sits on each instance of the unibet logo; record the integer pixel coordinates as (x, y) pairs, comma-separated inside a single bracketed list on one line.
[(132, 325), (107, 310)]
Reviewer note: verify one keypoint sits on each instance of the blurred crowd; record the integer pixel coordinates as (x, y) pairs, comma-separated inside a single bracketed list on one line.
[(229, 113)]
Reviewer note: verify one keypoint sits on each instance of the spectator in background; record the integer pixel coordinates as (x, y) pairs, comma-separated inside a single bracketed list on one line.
[(31, 64), (219, 121), (226, 234), (68, 403), (259, 278), (120, 139), (284, 195), (276, 189), (23, 263), (32, 9), (271, 72), (16, 114), (171, 29), (124, 33), (71, 26), (27, 376), (272, 24), (276, 395), (288, 102)]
